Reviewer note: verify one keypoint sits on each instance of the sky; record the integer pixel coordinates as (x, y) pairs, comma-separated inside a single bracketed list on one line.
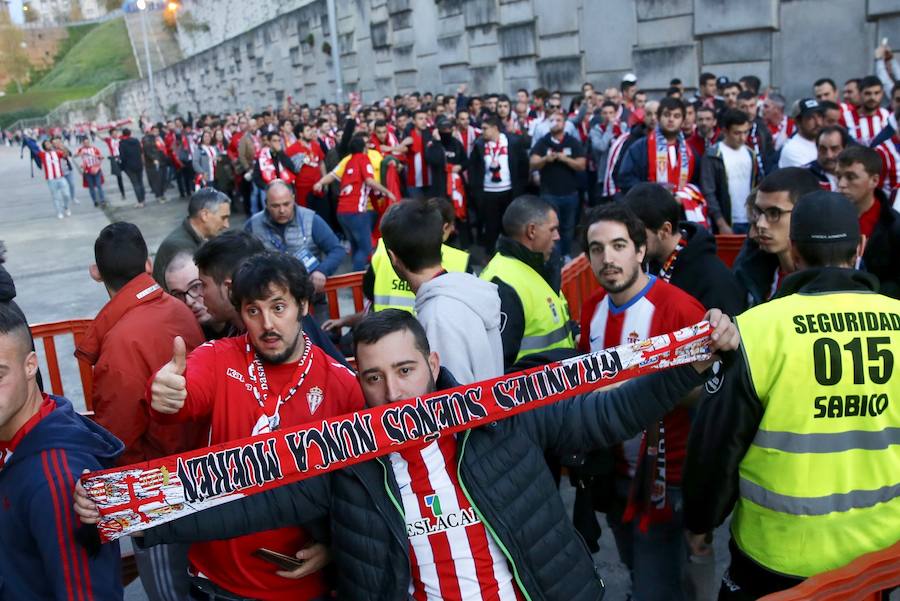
[(15, 11)]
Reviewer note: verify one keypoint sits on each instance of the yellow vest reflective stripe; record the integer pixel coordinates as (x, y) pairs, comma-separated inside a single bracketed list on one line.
[(820, 484), (546, 312), (391, 292)]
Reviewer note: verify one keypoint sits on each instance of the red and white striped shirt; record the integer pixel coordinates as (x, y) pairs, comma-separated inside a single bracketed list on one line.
[(781, 132), (864, 128), (658, 308), (91, 159), (452, 556), (609, 182), (889, 150), (52, 163)]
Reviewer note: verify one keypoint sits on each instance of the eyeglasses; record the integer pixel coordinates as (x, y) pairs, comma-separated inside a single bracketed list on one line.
[(773, 214), (553, 106), (195, 291)]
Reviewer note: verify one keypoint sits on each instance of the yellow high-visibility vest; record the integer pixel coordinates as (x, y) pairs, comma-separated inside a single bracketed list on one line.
[(820, 485), (391, 292)]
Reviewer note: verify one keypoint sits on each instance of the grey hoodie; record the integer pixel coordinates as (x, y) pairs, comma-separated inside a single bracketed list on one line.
[(461, 317)]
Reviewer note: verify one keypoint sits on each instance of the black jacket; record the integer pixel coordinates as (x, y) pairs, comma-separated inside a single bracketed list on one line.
[(512, 312), (130, 155), (755, 271), (766, 146), (729, 415), (882, 255), (502, 468), (518, 165), (816, 169), (714, 182), (443, 151), (702, 274)]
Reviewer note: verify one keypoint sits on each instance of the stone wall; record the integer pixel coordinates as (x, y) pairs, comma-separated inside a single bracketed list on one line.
[(388, 46)]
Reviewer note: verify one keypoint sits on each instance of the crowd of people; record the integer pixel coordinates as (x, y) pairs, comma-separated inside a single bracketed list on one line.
[(462, 210)]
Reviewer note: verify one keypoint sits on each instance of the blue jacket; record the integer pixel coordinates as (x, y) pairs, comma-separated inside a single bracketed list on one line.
[(635, 166), (41, 558)]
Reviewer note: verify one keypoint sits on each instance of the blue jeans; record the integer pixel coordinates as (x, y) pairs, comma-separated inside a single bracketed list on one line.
[(95, 188), (656, 558), (740, 228), (59, 188), (70, 178), (567, 211), (358, 229), (257, 199)]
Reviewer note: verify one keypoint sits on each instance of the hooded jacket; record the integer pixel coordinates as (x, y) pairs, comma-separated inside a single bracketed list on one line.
[(38, 527), (702, 274), (461, 317), (130, 339)]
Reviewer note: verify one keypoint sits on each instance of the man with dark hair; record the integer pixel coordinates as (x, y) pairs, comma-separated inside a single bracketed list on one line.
[(416, 139), (729, 171), (44, 447), (760, 138), (459, 311), (869, 117), (130, 337), (792, 440), (498, 171), (288, 227), (157, 162), (515, 540), (707, 93), (663, 156), (858, 175), (683, 253), (800, 150), (528, 274), (707, 132), (730, 93), (209, 212), (851, 92), (830, 142), (131, 157), (831, 113), (750, 83), (632, 305), (284, 380), (765, 261), (559, 157)]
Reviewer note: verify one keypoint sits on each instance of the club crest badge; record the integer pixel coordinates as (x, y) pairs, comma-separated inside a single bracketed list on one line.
[(314, 397)]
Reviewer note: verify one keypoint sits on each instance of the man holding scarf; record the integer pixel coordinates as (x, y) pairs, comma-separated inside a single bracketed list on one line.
[(663, 156)]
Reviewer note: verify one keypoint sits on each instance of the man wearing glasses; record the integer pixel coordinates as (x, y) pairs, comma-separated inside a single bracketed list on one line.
[(183, 282), (765, 261), (543, 127)]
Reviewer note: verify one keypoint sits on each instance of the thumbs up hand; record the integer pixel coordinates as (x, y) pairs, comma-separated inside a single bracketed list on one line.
[(169, 388)]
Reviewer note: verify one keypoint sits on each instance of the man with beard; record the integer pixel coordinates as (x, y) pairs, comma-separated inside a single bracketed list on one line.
[(760, 138), (830, 142), (486, 490), (869, 118), (683, 253), (707, 132), (801, 149), (270, 377), (663, 156), (630, 306)]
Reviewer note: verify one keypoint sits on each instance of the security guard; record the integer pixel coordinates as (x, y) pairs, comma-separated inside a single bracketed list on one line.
[(801, 432), (534, 312), (391, 292)]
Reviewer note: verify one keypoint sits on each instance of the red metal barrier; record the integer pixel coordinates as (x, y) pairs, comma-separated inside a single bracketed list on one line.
[(47, 333), (578, 283), (353, 281), (863, 579), (728, 247)]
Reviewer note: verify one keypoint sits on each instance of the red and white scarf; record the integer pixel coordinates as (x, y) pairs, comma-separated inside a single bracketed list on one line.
[(671, 163), (694, 204), (609, 183), (468, 138)]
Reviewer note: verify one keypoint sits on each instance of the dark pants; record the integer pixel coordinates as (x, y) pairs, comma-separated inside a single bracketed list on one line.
[(491, 207), (745, 580), (567, 210), (184, 177), (137, 182), (156, 178), (116, 170)]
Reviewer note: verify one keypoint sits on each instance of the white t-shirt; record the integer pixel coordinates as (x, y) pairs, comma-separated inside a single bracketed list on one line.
[(797, 152), (739, 170)]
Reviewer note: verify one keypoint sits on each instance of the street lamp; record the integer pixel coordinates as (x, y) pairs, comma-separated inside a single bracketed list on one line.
[(142, 7)]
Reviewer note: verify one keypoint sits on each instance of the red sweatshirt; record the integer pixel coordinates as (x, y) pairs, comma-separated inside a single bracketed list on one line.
[(218, 389)]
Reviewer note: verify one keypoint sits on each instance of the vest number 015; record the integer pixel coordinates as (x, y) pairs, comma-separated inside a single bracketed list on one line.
[(829, 366)]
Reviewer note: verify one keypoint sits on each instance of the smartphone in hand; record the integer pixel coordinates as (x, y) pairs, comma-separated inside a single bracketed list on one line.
[(285, 562)]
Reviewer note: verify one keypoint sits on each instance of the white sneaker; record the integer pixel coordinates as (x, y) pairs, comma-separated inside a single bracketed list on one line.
[(68, 212), (59, 215)]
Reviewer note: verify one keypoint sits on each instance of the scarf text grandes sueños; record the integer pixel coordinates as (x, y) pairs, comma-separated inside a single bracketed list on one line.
[(140, 496)]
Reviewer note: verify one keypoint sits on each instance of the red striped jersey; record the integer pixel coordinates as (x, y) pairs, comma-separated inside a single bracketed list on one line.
[(354, 194), (52, 163), (781, 131), (452, 556), (864, 128), (418, 174), (889, 151), (657, 309), (91, 159)]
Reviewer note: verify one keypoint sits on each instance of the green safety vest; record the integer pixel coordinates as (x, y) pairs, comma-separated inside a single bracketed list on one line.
[(820, 484), (546, 312), (391, 292)]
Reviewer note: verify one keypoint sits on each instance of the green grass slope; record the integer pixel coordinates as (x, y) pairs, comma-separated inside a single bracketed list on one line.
[(99, 56)]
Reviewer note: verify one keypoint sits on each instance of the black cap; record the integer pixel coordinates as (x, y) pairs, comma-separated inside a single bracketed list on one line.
[(807, 106), (824, 217), (721, 81), (443, 123)]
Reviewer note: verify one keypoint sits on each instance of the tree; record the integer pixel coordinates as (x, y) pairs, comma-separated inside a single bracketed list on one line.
[(13, 58)]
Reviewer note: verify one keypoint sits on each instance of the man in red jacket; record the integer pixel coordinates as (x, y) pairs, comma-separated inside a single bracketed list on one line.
[(129, 339), (270, 377)]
